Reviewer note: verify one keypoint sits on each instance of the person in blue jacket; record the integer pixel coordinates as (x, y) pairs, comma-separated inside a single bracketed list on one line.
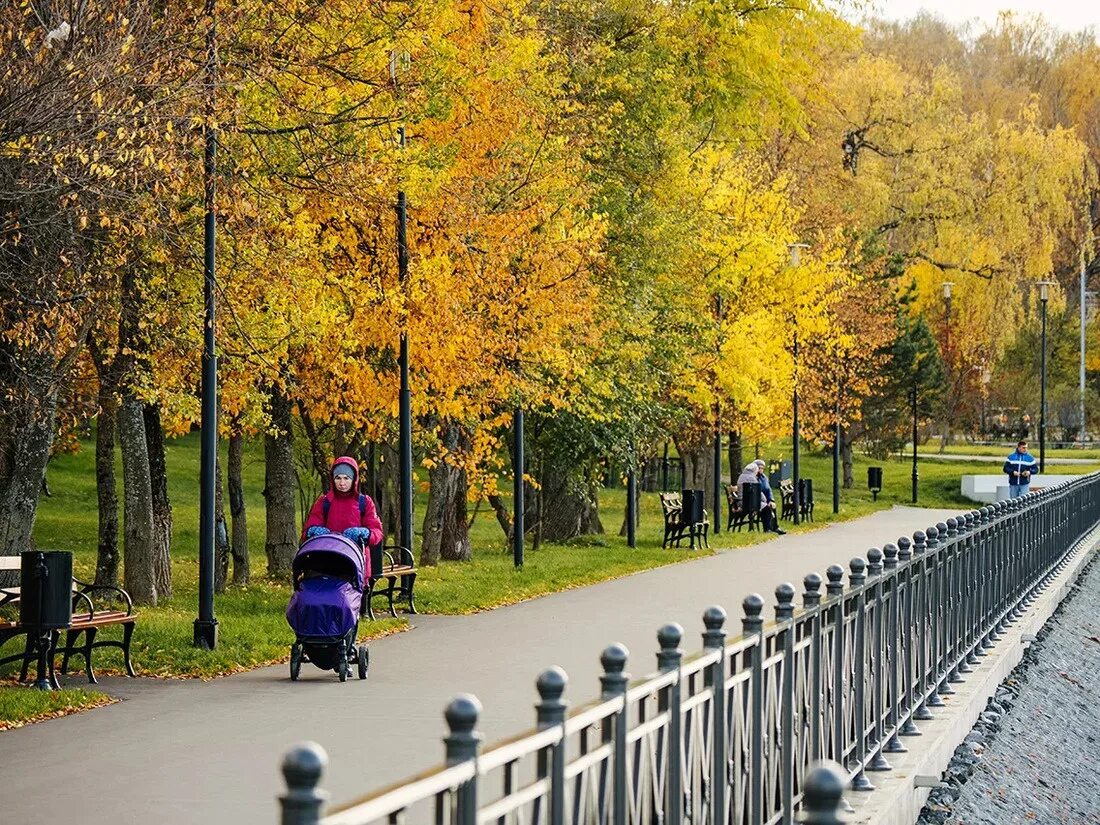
[(1020, 467)]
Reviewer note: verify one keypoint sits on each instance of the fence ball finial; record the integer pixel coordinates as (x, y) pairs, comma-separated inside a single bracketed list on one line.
[(462, 715), (784, 597), (614, 680), (905, 547), (874, 562), (812, 595), (890, 555), (953, 525), (823, 791), (714, 620), (669, 638), (302, 769), (931, 536), (857, 576), (753, 605), (714, 617)]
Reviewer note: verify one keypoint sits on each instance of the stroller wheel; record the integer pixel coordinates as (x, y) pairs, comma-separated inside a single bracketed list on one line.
[(343, 670), (364, 662), (295, 661)]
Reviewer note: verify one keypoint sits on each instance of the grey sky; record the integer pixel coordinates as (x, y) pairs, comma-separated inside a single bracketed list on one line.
[(1069, 15)]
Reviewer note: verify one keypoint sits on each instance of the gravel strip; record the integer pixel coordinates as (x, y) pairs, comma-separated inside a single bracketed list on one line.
[(1034, 756)]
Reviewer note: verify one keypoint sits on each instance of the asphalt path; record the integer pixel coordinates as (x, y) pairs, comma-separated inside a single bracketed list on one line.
[(184, 751)]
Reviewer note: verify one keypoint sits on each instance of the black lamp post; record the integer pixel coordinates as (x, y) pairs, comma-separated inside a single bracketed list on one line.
[(836, 458), (404, 438), (517, 488), (795, 250), (1044, 295), (913, 395), (206, 626)]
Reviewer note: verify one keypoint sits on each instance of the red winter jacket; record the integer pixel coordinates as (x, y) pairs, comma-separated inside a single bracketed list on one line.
[(343, 511)]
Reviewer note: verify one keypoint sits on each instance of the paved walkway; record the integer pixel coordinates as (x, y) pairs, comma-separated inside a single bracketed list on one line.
[(185, 751)]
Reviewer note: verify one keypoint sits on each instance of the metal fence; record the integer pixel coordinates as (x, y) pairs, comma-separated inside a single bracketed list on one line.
[(728, 737)]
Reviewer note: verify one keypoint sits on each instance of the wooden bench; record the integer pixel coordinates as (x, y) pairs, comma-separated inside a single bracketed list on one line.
[(392, 563), (86, 624), (738, 518), (677, 528)]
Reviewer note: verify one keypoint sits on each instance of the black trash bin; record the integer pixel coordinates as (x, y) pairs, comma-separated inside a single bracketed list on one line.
[(692, 503), (874, 481), (45, 604), (46, 589)]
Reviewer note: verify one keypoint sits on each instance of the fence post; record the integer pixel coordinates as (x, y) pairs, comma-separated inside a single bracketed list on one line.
[(907, 634), (302, 769), (668, 659), (811, 601), (893, 685), (784, 612), (462, 745), (966, 594), (856, 579), (753, 625), (933, 564), (834, 589), (920, 624), (714, 639), (877, 651), (956, 529), (943, 608), (824, 790), (550, 713), (613, 683)]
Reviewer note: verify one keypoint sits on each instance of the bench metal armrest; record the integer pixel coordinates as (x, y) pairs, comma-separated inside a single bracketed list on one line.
[(91, 587), (403, 553)]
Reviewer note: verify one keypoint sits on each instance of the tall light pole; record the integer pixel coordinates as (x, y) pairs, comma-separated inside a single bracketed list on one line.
[(836, 457), (206, 626), (795, 250), (1081, 365), (717, 425), (517, 488), (950, 410), (404, 438), (1044, 296), (914, 397)]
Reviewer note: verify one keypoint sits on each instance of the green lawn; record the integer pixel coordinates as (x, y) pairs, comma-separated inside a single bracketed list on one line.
[(20, 705), (253, 631)]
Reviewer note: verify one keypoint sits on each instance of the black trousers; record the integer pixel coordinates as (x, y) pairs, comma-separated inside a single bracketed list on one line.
[(768, 519)]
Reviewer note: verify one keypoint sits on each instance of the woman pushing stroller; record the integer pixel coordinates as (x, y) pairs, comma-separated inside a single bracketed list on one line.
[(330, 571), (343, 509)]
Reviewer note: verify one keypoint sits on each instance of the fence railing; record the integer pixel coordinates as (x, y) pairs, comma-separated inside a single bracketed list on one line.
[(729, 736)]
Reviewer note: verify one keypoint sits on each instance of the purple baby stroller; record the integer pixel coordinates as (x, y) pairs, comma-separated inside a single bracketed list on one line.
[(324, 609)]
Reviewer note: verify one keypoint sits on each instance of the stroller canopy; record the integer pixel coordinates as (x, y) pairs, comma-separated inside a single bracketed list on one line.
[(332, 555)]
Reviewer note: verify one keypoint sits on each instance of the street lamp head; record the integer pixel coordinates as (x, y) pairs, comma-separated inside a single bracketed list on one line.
[(947, 289), (795, 250), (1044, 290)]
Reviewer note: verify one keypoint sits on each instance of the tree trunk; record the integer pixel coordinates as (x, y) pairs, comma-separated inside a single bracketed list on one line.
[(637, 508), (107, 552), (736, 455), (280, 485), (389, 479), (571, 504), (445, 533), (138, 536), (239, 542), (504, 518), (162, 507), (24, 451), (107, 556), (221, 533)]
